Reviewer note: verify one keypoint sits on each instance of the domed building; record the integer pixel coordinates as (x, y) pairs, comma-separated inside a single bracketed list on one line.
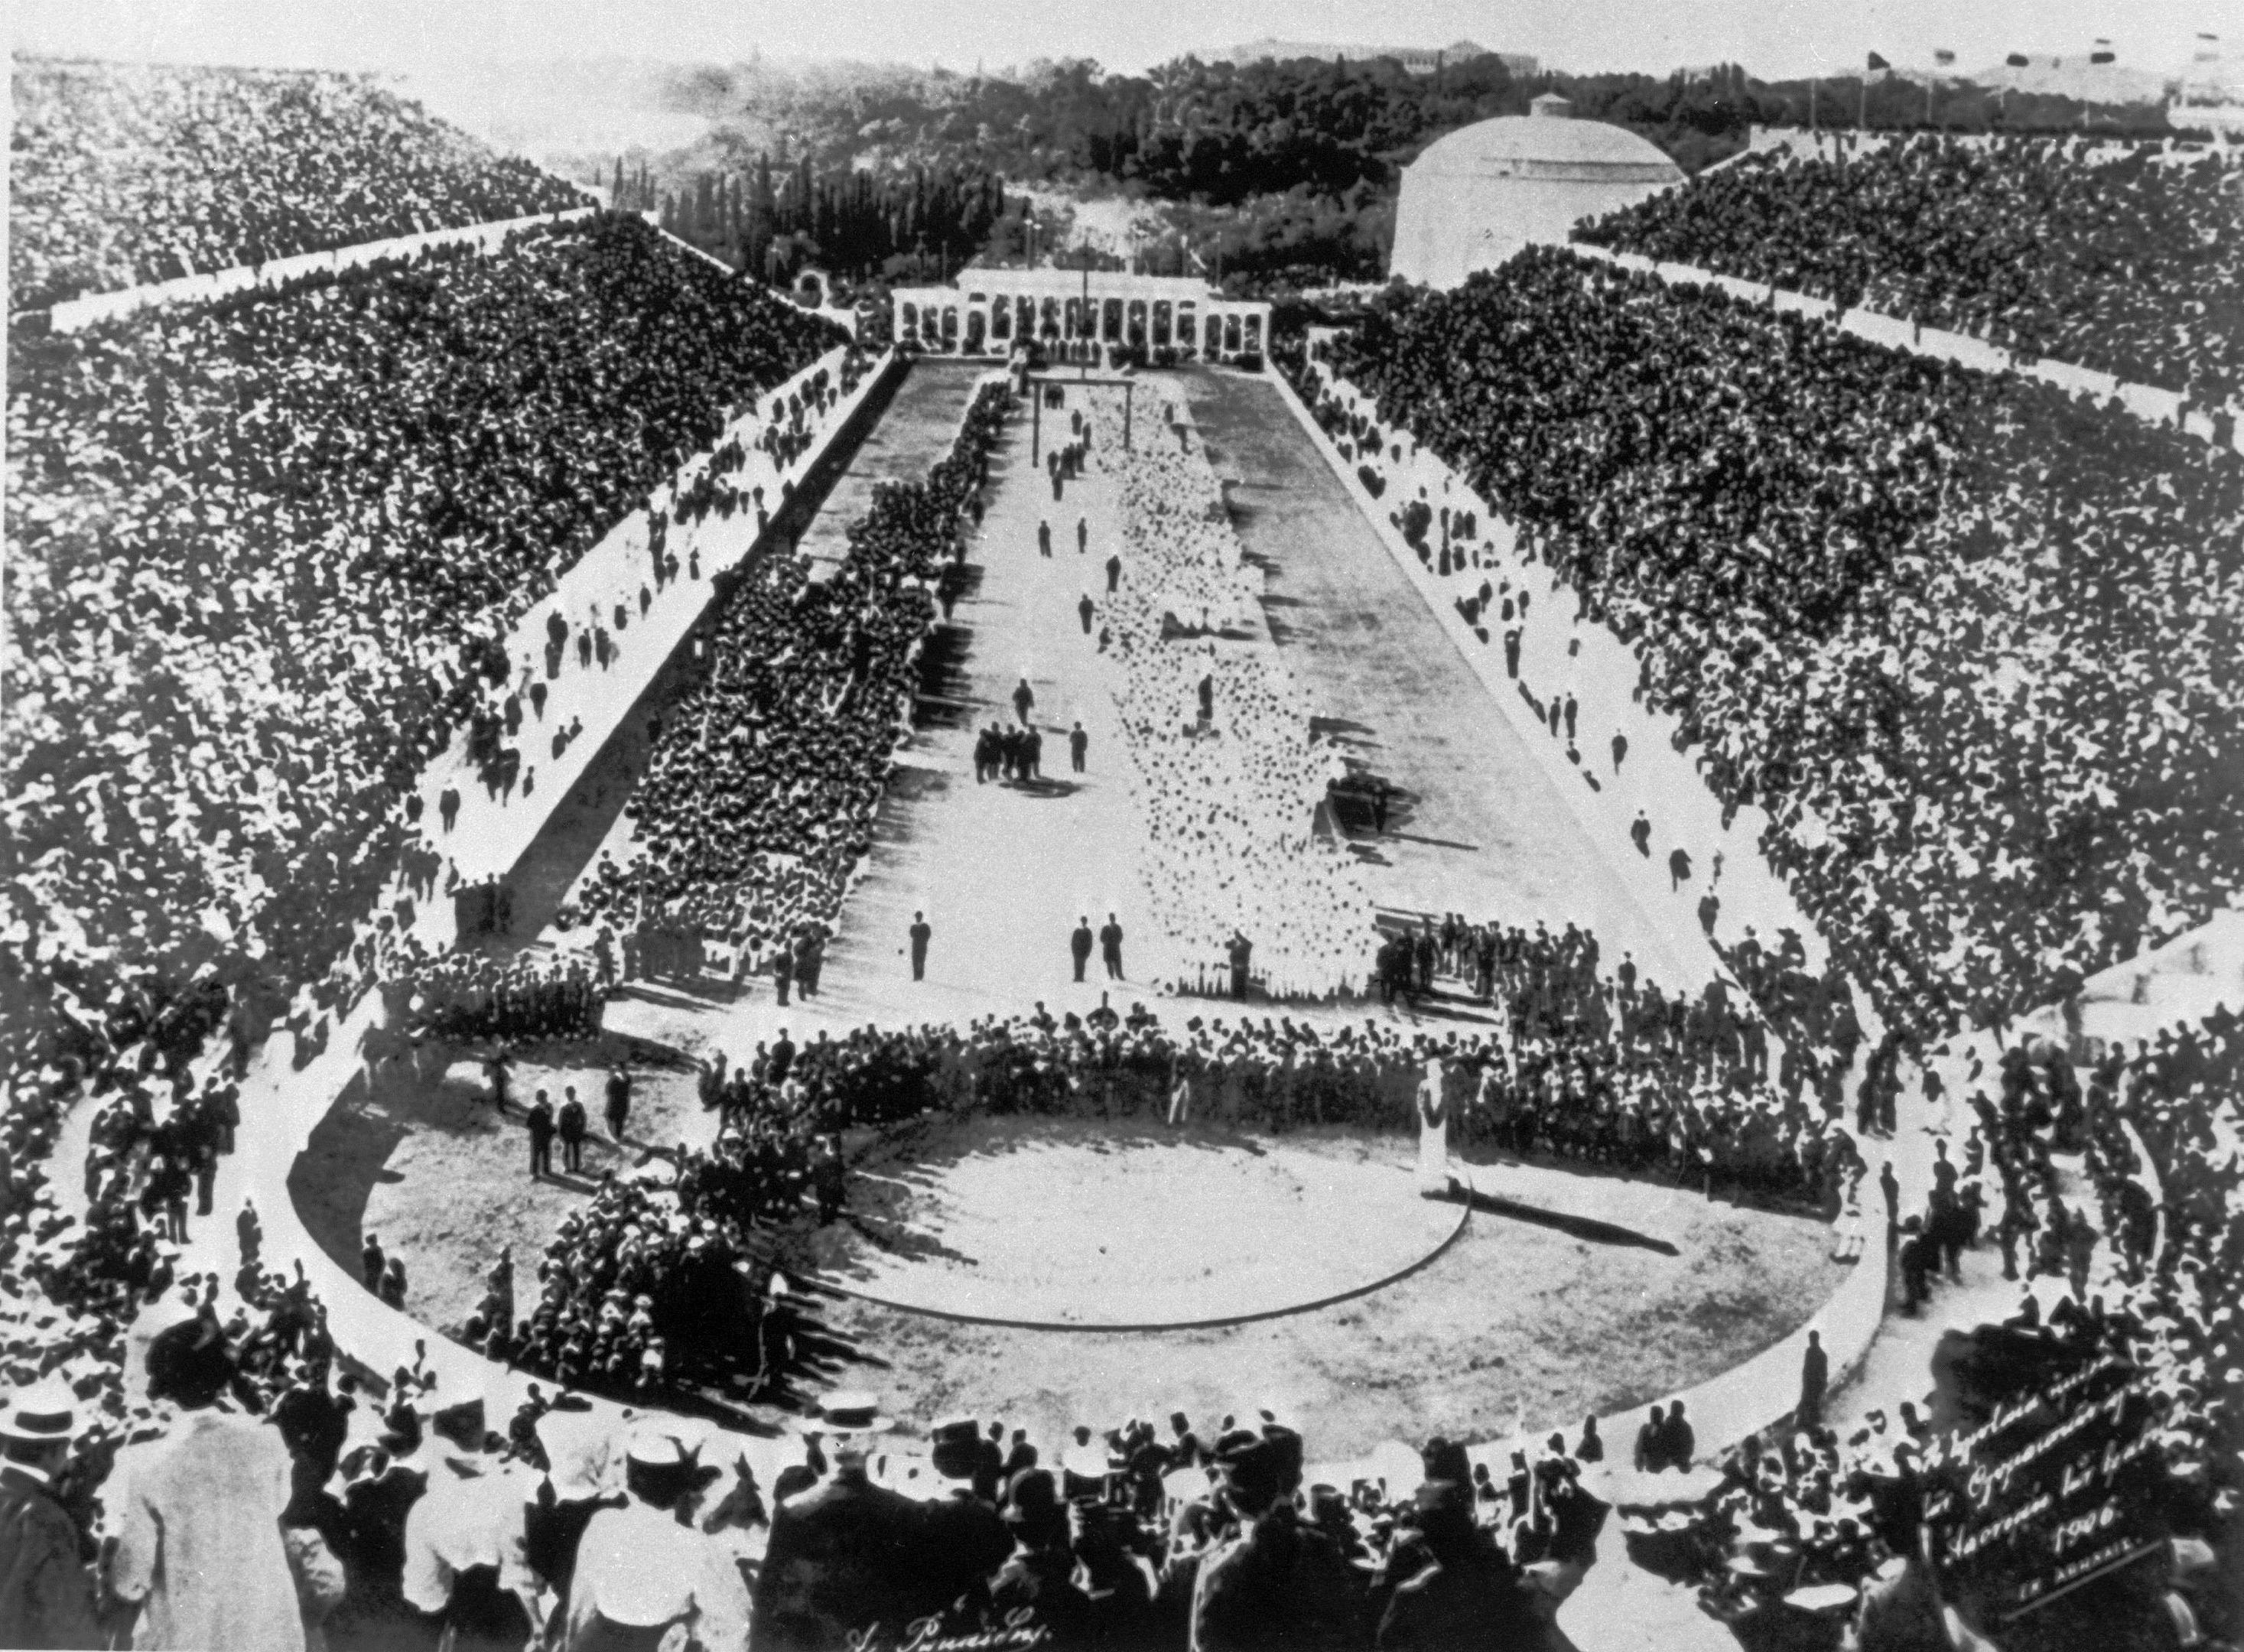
[(1480, 194)]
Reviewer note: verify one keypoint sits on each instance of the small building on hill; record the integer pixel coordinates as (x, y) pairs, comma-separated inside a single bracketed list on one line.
[(1478, 196)]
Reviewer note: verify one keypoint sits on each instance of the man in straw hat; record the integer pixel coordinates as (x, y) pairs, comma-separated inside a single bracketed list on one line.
[(645, 1569), (46, 1594), (197, 1512), (1754, 1604), (838, 1566)]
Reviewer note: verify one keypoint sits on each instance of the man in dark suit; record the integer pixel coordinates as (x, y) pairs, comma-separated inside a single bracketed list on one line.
[(1113, 575), (571, 1123), (782, 1058), (921, 934), (1110, 947), (618, 1103), (1078, 743), (1242, 957), (1652, 1442), (1471, 1595), (1278, 1581), (840, 1570), (1815, 1377), (1682, 1442), (965, 1541), (541, 1137), (1078, 945), (1036, 1587), (48, 1597)]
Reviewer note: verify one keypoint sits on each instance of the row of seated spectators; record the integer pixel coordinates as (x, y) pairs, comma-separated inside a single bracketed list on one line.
[(260, 552), (121, 174), (1964, 638), (2129, 265), (759, 794)]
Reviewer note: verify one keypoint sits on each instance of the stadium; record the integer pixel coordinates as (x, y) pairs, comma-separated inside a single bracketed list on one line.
[(1541, 956)]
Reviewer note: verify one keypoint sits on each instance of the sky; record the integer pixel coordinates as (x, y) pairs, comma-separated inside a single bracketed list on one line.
[(1773, 38)]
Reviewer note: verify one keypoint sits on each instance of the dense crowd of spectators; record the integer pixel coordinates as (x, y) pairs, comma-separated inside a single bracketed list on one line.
[(1964, 639), (260, 552), (2130, 265), (126, 173), (268, 546), (759, 794)]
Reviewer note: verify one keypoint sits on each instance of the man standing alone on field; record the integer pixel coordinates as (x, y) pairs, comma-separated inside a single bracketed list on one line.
[(921, 934), (1110, 947), (619, 1108), (1815, 1377), (1078, 945)]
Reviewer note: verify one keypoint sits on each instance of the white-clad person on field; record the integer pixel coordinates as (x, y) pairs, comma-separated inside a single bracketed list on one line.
[(647, 1576), (199, 1548), (46, 1593)]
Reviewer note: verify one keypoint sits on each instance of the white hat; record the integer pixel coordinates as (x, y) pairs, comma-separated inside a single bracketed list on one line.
[(846, 1411), (44, 1413)]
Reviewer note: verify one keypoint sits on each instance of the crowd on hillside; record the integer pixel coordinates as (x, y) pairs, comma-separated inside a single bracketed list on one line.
[(1227, 774), (759, 794), (261, 552), (1964, 639), (126, 173), (267, 548), (2130, 265)]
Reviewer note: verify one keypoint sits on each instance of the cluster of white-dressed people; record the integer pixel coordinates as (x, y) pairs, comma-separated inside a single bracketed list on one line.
[(1916, 587), (1226, 773), (2132, 268), (124, 173)]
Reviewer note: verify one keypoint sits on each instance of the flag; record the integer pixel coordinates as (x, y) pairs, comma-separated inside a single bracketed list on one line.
[(2102, 57), (2017, 60), (1943, 58), (1877, 62)]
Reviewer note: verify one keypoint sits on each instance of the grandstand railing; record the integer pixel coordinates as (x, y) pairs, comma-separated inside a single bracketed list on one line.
[(72, 314)]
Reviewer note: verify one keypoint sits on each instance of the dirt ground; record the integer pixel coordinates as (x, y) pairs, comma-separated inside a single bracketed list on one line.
[(1516, 1320), (1074, 1220), (443, 1181)]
